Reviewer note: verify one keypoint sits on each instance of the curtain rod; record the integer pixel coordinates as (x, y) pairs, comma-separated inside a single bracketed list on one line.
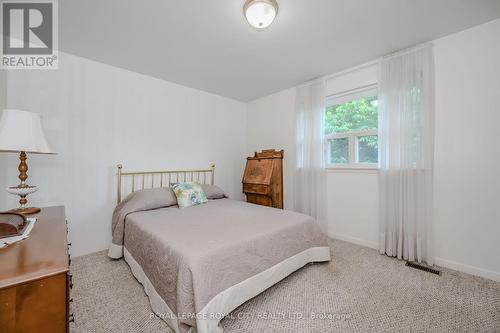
[(407, 50), (351, 69), (341, 73), (367, 64)]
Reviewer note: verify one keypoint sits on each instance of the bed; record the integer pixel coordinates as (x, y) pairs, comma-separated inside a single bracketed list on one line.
[(199, 263)]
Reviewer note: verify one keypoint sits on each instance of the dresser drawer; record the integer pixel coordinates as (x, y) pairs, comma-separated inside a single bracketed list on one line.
[(259, 199), (256, 188), (34, 289), (38, 306)]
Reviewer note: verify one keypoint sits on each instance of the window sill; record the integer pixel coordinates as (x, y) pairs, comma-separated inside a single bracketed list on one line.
[(353, 169)]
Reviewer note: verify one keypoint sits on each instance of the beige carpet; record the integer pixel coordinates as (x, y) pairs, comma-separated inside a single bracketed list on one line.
[(358, 291)]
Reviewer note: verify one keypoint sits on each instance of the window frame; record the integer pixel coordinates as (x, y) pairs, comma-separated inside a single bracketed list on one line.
[(352, 137)]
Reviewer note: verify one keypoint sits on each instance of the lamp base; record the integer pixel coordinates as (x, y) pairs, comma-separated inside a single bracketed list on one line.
[(26, 211), (23, 189)]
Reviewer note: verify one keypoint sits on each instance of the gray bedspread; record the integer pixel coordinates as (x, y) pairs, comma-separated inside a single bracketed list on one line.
[(190, 255)]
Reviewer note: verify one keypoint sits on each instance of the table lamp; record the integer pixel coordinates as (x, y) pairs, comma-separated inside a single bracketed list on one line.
[(21, 132)]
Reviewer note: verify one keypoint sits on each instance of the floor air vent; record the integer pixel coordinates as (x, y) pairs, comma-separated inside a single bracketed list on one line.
[(422, 267)]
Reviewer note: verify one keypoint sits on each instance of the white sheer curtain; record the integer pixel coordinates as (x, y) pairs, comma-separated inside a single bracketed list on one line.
[(310, 180), (406, 138)]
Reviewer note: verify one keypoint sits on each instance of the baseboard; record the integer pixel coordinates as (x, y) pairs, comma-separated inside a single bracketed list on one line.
[(353, 240), (492, 275)]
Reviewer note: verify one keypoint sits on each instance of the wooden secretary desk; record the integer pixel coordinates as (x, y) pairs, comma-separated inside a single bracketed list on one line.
[(263, 178), (34, 278)]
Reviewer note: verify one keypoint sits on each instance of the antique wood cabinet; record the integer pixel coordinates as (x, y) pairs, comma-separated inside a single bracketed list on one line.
[(34, 278), (263, 178)]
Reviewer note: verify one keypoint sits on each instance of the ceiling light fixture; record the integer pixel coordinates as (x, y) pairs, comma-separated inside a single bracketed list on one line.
[(260, 13)]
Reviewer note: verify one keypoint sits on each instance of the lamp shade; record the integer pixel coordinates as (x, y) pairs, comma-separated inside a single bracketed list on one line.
[(22, 131)]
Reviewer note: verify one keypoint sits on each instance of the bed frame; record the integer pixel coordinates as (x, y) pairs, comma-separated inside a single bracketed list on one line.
[(154, 179)]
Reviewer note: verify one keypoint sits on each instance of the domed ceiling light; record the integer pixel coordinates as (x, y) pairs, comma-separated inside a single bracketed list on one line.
[(260, 13)]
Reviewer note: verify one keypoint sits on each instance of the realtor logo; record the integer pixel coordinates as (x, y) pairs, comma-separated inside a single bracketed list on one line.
[(29, 35)]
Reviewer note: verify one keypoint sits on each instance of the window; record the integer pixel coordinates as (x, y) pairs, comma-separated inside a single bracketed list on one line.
[(351, 128)]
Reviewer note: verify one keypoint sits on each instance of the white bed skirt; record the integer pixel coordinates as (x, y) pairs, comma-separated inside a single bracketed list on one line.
[(115, 251), (229, 299)]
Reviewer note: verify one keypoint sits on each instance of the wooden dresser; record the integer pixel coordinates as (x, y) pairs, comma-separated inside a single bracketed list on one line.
[(34, 278), (263, 178)]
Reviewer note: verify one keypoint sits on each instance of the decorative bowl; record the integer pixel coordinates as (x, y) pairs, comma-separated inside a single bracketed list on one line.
[(22, 190)]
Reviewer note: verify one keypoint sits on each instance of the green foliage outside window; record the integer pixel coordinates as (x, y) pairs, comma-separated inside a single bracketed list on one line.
[(339, 151), (357, 115)]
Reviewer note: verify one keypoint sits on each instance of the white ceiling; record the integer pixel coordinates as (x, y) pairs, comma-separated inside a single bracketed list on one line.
[(208, 45)]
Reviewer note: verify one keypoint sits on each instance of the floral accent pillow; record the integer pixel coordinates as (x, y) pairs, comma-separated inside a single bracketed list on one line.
[(189, 194)]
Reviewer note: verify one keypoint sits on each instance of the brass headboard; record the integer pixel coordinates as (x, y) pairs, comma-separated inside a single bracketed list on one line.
[(153, 179)]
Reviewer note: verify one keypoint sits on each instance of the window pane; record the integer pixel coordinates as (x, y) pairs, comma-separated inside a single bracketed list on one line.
[(368, 149), (339, 151), (357, 115)]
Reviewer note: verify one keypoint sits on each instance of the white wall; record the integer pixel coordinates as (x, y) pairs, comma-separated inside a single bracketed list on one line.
[(271, 125), (467, 155), (97, 115), (353, 206), (467, 183)]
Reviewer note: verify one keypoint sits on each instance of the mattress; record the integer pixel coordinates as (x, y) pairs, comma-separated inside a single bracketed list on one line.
[(199, 263)]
